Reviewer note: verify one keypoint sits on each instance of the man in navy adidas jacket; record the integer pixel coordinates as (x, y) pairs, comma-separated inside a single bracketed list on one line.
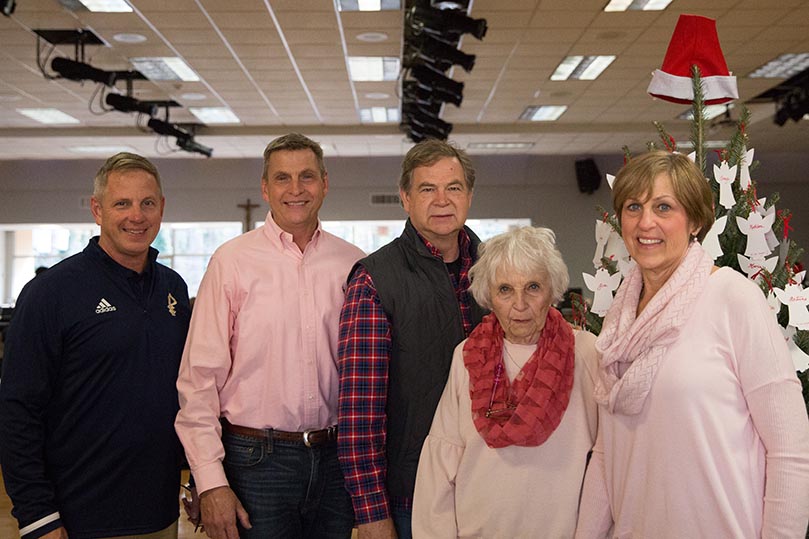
[(87, 393)]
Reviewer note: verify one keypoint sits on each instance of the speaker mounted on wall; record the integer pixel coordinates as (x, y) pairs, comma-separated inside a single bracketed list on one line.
[(587, 176)]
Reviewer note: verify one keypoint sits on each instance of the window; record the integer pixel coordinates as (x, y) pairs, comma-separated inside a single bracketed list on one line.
[(185, 247)]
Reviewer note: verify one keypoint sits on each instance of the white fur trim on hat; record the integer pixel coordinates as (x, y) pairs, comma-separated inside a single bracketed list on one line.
[(716, 90)]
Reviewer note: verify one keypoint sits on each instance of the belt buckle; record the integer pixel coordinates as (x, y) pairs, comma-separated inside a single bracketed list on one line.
[(306, 441)]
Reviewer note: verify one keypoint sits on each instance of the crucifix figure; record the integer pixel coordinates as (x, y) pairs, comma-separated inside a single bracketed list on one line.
[(247, 225)]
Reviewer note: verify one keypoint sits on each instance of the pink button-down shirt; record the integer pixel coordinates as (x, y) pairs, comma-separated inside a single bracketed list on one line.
[(262, 345)]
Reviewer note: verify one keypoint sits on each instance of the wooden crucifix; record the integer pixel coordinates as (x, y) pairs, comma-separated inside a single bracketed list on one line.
[(247, 225)]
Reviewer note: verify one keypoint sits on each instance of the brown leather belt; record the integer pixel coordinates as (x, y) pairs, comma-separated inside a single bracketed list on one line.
[(309, 438)]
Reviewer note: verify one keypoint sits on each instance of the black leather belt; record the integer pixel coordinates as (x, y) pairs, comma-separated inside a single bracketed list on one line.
[(309, 438)]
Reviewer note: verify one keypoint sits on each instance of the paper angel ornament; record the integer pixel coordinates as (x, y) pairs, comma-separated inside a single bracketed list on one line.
[(772, 240), (711, 241), (603, 284), (799, 358), (603, 229), (755, 227), (725, 175), (616, 248), (744, 174), (753, 266), (796, 298), (773, 303), (625, 265)]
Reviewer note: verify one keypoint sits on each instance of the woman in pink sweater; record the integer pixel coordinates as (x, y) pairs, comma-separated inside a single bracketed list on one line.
[(703, 431), (508, 446)]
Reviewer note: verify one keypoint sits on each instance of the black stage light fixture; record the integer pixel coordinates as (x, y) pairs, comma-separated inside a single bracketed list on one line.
[(164, 128), (439, 54), (794, 105), (413, 93), (7, 7), (185, 140), (426, 121), (443, 21), (437, 82), (124, 103), (781, 117), (79, 71), (192, 146), (435, 48)]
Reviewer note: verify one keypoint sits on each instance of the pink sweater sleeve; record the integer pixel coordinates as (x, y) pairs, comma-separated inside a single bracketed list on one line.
[(595, 516), (775, 403), (785, 435)]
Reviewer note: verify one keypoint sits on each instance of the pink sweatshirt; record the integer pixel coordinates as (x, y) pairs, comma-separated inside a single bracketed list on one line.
[(721, 446)]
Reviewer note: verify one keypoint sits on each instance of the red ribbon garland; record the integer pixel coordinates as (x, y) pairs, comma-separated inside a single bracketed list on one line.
[(671, 144), (786, 219)]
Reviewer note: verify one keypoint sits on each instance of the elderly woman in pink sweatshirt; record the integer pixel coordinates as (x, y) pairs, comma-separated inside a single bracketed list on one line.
[(703, 431), (506, 453)]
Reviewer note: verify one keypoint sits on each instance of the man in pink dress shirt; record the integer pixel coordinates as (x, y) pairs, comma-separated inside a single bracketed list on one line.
[(258, 381)]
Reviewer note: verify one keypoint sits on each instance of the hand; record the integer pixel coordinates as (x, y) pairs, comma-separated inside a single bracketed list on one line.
[(191, 506), (219, 509), (381, 529), (58, 533)]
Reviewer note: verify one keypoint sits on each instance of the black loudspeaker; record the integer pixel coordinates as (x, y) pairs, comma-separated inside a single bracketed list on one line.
[(587, 176)]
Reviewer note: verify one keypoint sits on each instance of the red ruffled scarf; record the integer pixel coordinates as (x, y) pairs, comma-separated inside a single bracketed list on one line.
[(541, 391)]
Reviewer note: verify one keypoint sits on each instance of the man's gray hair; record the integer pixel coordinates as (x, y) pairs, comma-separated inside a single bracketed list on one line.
[(293, 141), (123, 161), (427, 153)]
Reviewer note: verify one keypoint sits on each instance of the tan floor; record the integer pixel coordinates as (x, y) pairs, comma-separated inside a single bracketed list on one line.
[(8, 526)]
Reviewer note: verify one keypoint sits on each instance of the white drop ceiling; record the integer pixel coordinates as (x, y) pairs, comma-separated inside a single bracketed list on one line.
[(280, 65)]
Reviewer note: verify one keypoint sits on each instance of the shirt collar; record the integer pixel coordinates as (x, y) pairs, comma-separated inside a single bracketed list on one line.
[(464, 242), (283, 239), (94, 250)]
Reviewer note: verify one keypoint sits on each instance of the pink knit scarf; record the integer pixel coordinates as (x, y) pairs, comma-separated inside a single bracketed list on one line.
[(631, 346)]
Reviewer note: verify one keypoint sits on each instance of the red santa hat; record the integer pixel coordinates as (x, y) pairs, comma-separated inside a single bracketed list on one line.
[(694, 42)]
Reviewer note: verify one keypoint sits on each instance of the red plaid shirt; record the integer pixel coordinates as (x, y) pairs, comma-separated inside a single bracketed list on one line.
[(363, 355)]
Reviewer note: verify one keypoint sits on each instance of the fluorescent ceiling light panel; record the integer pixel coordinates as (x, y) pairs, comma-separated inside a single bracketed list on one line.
[(49, 116), (500, 145), (784, 67), (214, 115), (709, 144), (369, 5), (127, 37), (543, 113), (164, 68), (637, 5), (709, 112), (373, 68), (582, 67), (107, 6), (379, 115)]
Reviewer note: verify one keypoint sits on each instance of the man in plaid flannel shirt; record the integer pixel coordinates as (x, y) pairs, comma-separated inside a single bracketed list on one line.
[(407, 306)]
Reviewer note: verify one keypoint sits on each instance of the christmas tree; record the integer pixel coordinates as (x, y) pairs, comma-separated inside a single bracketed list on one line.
[(751, 235)]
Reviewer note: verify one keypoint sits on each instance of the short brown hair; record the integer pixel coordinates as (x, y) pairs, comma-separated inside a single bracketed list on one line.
[(691, 189), (427, 153), (293, 141), (123, 161)]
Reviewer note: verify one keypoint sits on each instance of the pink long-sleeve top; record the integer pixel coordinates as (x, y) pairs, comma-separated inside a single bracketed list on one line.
[(262, 344), (721, 446)]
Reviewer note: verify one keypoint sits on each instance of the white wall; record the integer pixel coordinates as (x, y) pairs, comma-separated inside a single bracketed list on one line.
[(541, 188)]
